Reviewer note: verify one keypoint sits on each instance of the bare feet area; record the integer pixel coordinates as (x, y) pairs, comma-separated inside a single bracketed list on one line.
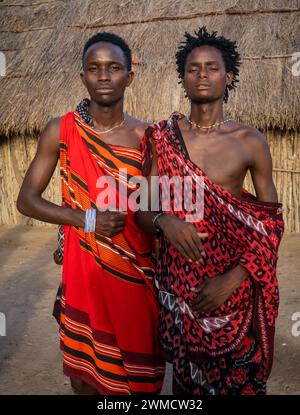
[(30, 359)]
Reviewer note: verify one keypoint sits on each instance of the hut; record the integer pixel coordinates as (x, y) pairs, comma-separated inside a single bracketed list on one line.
[(43, 39)]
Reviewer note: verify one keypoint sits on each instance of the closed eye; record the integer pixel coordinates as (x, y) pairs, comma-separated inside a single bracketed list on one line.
[(115, 68)]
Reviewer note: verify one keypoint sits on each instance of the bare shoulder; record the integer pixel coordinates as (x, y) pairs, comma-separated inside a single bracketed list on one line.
[(246, 132), (254, 144), (49, 139), (142, 127), (52, 128), (138, 126), (250, 136)]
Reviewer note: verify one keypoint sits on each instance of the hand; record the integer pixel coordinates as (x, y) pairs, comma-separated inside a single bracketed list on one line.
[(212, 293), (110, 223), (183, 236)]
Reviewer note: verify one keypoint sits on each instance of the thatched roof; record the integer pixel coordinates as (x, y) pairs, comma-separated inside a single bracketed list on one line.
[(43, 41)]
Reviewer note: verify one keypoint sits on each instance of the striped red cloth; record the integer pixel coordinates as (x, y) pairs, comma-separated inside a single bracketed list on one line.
[(108, 324)]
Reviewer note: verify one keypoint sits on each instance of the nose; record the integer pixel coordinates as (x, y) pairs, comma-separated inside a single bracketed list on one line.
[(202, 73), (103, 74)]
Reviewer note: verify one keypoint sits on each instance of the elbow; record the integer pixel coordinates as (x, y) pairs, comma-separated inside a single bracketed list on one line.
[(22, 204)]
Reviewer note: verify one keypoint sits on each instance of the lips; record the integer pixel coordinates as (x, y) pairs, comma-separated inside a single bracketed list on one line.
[(202, 86), (104, 89)]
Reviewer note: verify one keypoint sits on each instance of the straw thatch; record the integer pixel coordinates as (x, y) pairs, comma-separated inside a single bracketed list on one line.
[(43, 42)]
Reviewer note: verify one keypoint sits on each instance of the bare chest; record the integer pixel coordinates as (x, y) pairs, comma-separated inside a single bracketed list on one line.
[(224, 160)]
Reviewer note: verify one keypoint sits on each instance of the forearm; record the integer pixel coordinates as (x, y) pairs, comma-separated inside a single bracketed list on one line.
[(237, 275), (267, 193), (41, 209), (144, 220)]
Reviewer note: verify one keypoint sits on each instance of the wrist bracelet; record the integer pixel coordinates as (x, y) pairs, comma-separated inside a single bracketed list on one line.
[(158, 215), (90, 220)]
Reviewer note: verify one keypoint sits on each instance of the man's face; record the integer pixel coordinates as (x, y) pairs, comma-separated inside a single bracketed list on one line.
[(105, 73), (205, 75)]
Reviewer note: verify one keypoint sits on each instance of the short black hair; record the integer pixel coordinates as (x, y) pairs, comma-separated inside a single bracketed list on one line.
[(227, 48), (110, 38)]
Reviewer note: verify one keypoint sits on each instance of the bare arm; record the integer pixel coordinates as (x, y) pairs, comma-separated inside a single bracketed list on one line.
[(30, 201), (261, 168)]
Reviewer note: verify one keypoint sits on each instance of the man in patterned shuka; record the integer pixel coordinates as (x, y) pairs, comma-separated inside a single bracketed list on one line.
[(218, 306), (108, 309)]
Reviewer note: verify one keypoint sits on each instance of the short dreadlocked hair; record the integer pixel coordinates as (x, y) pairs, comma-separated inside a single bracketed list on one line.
[(110, 38), (227, 48)]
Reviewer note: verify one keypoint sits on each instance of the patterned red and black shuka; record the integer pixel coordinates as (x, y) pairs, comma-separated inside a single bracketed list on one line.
[(228, 350), (108, 309)]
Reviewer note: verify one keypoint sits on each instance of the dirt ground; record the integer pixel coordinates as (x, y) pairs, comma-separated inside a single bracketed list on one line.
[(30, 359)]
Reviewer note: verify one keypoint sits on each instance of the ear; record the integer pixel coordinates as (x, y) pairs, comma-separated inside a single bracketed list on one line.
[(130, 77), (229, 78), (82, 78)]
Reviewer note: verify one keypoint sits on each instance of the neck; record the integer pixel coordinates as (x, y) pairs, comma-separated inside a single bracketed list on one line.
[(104, 116), (207, 114)]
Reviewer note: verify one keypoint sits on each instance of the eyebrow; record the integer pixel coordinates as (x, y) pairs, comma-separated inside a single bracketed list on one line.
[(100, 61), (207, 63)]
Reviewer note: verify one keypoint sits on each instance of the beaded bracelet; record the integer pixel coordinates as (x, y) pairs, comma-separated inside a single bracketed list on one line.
[(158, 230), (90, 220)]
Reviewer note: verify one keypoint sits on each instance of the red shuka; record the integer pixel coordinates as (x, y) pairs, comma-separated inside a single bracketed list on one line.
[(108, 327)]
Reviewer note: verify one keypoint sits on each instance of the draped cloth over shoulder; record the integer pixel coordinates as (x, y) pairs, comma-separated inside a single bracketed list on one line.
[(108, 325), (229, 350)]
